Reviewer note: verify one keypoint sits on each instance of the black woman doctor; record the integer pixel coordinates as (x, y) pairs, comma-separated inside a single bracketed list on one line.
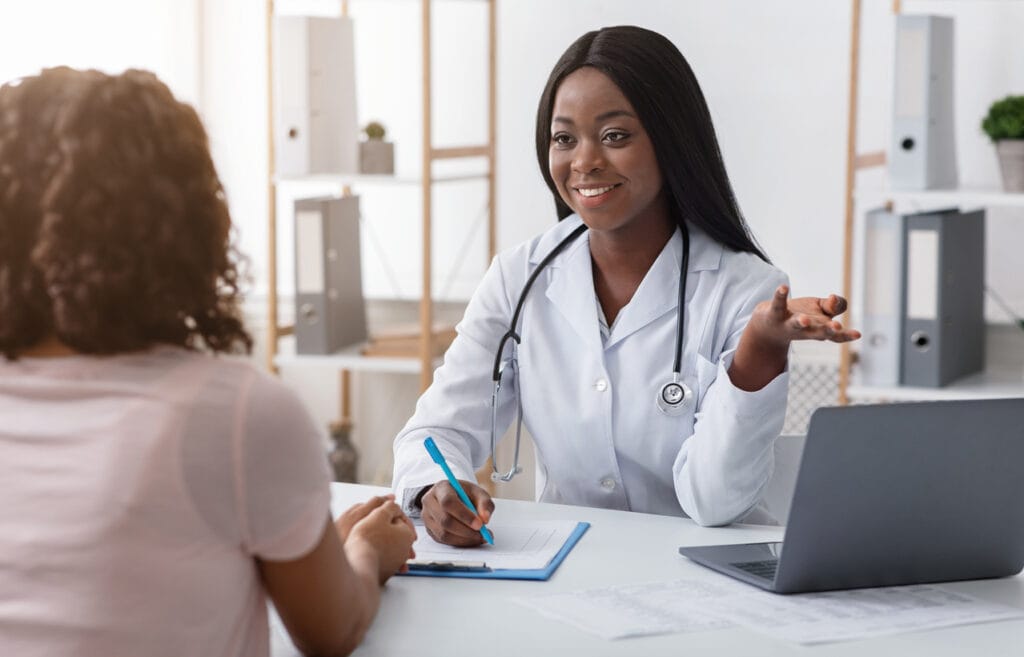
[(643, 339)]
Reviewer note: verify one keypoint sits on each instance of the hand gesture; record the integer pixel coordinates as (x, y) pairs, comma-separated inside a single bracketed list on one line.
[(764, 346), (449, 521), (781, 320)]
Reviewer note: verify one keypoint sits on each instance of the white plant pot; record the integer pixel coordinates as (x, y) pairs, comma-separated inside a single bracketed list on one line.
[(1011, 163), (376, 156)]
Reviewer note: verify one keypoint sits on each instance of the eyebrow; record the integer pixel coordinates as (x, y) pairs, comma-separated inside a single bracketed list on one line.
[(600, 117)]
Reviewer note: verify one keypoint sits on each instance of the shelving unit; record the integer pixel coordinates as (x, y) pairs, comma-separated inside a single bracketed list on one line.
[(1000, 378), (940, 197), (350, 359)]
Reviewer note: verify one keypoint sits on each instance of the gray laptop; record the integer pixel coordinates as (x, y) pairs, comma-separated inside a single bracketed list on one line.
[(896, 494)]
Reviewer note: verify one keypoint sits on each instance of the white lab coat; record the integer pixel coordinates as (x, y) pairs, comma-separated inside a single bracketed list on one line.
[(590, 403)]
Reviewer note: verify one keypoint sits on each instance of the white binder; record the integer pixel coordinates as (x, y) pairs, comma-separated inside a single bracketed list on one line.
[(923, 150), (315, 128), (879, 351)]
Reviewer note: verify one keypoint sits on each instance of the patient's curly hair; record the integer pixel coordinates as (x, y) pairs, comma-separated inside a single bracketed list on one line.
[(114, 229)]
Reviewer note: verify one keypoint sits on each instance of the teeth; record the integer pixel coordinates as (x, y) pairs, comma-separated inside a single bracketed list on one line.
[(596, 191)]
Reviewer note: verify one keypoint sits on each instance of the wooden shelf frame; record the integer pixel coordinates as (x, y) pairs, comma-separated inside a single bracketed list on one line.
[(427, 180), (990, 383), (854, 163)]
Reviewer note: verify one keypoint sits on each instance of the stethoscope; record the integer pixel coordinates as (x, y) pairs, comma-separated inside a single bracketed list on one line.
[(673, 399)]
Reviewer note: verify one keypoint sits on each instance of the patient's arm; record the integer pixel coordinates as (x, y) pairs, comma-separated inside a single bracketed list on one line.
[(328, 597)]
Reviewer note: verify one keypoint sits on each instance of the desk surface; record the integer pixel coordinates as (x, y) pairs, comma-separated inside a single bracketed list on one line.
[(425, 616)]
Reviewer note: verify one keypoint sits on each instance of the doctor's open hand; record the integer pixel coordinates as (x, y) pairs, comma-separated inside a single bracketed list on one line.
[(449, 521), (764, 346)]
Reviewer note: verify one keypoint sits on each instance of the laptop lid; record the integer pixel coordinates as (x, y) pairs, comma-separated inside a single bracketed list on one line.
[(907, 493)]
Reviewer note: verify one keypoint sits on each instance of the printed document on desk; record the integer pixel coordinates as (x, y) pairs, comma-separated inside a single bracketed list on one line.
[(531, 551), (691, 605)]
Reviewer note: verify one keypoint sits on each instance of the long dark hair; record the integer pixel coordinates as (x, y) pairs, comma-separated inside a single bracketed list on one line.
[(657, 81)]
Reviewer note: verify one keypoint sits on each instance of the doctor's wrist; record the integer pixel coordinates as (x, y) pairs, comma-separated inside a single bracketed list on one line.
[(417, 500), (412, 500)]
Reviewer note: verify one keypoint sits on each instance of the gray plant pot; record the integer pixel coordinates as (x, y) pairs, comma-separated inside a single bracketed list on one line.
[(376, 156), (1011, 163)]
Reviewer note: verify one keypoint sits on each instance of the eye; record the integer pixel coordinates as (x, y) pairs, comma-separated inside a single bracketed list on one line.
[(615, 136), (562, 139)]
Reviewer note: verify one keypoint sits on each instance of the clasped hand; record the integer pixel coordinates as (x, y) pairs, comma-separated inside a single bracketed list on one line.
[(380, 526)]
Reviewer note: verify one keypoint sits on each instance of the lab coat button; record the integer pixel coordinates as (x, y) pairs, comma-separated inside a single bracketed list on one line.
[(601, 385), (608, 483)]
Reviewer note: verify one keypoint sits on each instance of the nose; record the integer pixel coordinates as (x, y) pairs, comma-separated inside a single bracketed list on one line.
[(587, 157)]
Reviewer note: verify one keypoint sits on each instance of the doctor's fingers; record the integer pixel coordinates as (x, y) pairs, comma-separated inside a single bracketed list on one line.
[(778, 303), (815, 327), (833, 305), (446, 529), (453, 504)]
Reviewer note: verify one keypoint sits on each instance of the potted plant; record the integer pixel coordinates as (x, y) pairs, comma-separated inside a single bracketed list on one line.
[(375, 154), (1004, 125)]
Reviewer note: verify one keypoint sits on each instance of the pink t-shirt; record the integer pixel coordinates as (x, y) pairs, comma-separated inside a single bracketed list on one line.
[(135, 493)]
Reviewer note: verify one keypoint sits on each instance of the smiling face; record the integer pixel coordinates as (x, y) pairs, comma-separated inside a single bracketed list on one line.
[(600, 156)]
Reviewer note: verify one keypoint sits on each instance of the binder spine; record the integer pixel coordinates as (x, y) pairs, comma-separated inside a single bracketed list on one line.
[(880, 352)]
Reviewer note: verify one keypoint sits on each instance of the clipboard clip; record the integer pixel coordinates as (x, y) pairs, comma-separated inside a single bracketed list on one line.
[(448, 566)]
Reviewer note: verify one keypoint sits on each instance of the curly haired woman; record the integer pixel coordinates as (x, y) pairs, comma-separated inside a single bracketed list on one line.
[(153, 493)]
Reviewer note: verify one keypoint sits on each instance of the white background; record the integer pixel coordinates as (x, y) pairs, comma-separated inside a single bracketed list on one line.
[(774, 73)]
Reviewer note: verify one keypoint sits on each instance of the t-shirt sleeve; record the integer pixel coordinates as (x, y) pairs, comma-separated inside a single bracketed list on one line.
[(282, 477)]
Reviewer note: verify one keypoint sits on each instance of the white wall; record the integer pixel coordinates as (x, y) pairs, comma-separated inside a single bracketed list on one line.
[(388, 89), (988, 52), (775, 77), (110, 35), (774, 74)]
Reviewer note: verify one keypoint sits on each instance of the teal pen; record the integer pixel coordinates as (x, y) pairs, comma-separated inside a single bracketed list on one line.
[(435, 454)]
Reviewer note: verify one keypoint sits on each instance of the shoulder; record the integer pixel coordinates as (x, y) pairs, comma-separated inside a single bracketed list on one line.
[(221, 380), (737, 270), (530, 253), (511, 268)]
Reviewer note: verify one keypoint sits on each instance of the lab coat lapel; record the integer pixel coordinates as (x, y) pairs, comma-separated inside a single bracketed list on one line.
[(659, 290), (657, 294), (571, 291)]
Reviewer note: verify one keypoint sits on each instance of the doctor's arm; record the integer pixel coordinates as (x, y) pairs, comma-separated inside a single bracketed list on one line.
[(722, 469), (456, 411)]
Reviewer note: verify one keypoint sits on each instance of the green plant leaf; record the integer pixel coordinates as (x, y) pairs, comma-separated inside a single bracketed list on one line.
[(1005, 119), (374, 130)]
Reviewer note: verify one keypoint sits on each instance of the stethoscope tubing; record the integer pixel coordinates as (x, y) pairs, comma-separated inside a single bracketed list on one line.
[(511, 334), (672, 397)]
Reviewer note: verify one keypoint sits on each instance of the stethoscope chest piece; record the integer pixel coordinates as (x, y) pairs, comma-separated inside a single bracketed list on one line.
[(674, 398)]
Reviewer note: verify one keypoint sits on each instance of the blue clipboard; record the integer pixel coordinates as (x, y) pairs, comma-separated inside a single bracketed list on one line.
[(539, 574)]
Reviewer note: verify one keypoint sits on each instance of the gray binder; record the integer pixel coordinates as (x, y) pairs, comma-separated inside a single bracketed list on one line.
[(944, 324), (330, 312)]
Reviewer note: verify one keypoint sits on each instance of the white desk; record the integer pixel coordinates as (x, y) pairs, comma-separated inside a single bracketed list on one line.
[(425, 616)]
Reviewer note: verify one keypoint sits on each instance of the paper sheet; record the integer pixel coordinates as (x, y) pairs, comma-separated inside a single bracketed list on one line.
[(625, 611), (859, 614), (688, 606), (516, 547)]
